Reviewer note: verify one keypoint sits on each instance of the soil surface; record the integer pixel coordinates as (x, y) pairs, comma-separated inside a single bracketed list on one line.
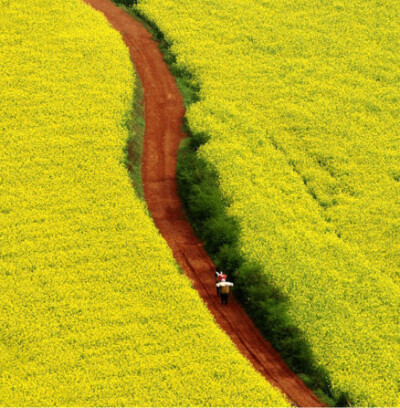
[(163, 115)]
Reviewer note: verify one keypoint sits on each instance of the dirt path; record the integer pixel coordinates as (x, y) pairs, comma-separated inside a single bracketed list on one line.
[(163, 114)]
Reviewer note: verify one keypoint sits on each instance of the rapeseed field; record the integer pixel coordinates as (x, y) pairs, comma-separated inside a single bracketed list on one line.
[(93, 308), (301, 102)]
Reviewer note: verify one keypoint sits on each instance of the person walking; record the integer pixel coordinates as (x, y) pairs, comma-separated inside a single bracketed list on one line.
[(224, 290), (218, 278)]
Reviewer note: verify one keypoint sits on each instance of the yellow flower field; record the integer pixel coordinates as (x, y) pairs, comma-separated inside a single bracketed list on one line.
[(93, 308), (302, 103)]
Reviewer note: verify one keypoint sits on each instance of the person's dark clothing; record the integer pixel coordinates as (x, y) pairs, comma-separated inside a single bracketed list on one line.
[(224, 290)]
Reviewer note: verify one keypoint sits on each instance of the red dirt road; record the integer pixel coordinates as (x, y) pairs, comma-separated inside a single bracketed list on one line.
[(163, 114)]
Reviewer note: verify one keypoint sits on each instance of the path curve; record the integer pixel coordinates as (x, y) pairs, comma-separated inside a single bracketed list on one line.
[(163, 117)]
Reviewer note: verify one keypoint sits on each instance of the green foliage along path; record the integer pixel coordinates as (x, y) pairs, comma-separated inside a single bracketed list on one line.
[(301, 101), (93, 309)]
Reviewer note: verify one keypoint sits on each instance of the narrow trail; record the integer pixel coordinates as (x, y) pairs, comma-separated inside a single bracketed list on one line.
[(163, 116)]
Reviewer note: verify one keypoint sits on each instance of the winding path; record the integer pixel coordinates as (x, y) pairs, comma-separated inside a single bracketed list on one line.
[(163, 115)]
